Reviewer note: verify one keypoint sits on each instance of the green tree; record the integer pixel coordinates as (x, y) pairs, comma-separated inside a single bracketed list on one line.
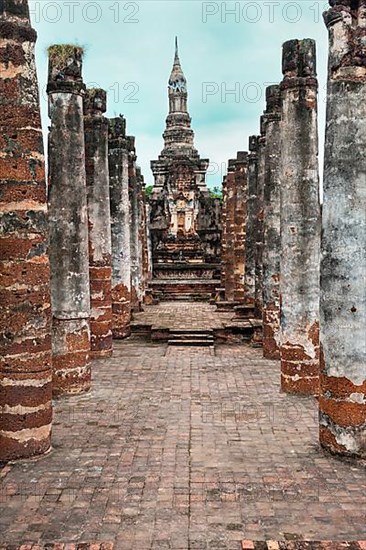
[(216, 192)]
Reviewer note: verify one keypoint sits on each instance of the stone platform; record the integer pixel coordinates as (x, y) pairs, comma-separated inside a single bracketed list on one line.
[(160, 323), (184, 289)]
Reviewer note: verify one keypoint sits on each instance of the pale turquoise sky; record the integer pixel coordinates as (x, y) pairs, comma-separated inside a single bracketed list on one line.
[(223, 46)]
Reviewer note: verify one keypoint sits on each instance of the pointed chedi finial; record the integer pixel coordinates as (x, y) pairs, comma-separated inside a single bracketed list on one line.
[(176, 57), (177, 81)]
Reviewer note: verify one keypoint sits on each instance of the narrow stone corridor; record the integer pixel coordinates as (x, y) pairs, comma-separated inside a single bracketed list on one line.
[(183, 448)]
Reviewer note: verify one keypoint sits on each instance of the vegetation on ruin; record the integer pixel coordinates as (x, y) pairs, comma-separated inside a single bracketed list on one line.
[(60, 53), (216, 193), (148, 190)]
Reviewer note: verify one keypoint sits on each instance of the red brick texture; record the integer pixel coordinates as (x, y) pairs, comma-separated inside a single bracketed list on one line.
[(25, 319)]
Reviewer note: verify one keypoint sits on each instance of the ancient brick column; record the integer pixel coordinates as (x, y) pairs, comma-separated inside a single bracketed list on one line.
[(271, 227), (240, 215), (25, 344), (250, 235), (259, 220), (69, 255), (134, 194), (142, 234), (228, 256), (343, 267), (221, 291), (120, 226), (300, 220), (100, 260)]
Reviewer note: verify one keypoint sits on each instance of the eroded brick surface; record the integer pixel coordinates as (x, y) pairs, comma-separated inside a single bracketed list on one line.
[(25, 320), (99, 222), (234, 227), (343, 267), (120, 227), (300, 220), (69, 251), (271, 225), (184, 448), (251, 223)]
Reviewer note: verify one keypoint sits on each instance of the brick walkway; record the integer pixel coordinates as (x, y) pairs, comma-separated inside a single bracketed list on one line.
[(183, 448)]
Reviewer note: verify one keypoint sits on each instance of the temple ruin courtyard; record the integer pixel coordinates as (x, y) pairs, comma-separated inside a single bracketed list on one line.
[(183, 447), (182, 365)]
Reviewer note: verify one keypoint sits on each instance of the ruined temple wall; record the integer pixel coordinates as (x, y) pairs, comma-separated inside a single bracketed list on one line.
[(209, 227)]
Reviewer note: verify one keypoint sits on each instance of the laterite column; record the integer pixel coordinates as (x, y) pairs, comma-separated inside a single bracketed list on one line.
[(25, 339), (343, 268), (228, 256), (250, 237), (69, 255), (136, 291), (120, 225), (259, 220), (271, 227), (99, 219), (300, 220)]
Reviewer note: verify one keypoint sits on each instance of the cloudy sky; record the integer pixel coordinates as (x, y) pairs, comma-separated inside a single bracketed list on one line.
[(230, 51)]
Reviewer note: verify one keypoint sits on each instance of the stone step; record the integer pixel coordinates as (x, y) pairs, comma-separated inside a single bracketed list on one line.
[(191, 342), (197, 331), (244, 312), (192, 337), (225, 305)]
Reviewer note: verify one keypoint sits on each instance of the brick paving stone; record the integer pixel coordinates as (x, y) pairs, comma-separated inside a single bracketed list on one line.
[(186, 449)]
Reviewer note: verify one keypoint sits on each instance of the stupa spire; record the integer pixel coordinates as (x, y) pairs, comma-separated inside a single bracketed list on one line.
[(177, 80)]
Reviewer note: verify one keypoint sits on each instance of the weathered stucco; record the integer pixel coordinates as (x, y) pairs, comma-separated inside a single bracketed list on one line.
[(99, 222), (250, 235), (343, 265), (271, 226), (120, 227), (69, 255), (259, 221), (300, 220)]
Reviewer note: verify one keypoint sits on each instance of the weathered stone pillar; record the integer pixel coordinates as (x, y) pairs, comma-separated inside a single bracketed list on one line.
[(144, 232), (69, 255), (300, 220), (343, 267), (25, 340), (134, 184), (239, 226), (271, 226), (250, 235), (228, 258), (142, 259), (259, 222), (120, 226), (221, 291), (100, 261)]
